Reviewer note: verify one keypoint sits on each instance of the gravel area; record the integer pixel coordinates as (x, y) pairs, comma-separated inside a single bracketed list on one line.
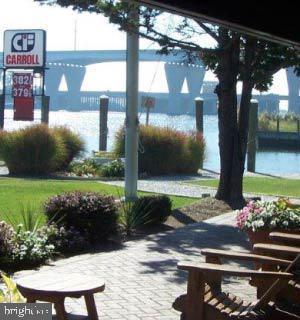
[(179, 186)]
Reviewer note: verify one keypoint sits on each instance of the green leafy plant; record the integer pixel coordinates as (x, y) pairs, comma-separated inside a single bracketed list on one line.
[(65, 240), (87, 167), (10, 294), (114, 168), (30, 218), (145, 211), (33, 248)]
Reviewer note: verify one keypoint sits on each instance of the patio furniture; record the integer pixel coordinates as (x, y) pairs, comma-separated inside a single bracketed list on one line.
[(55, 287), (291, 239), (285, 246), (267, 257), (205, 299)]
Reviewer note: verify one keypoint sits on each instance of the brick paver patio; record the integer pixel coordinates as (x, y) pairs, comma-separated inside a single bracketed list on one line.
[(141, 278)]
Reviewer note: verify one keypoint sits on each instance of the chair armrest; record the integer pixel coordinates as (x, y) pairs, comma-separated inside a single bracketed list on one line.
[(211, 268), (245, 256), (286, 238), (276, 250)]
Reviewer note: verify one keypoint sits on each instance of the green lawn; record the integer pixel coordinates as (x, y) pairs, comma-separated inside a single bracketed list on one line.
[(15, 192), (260, 185)]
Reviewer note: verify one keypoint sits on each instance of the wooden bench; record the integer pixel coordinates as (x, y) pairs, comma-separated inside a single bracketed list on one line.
[(55, 288)]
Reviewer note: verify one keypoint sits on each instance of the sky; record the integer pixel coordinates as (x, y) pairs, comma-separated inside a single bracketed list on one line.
[(94, 32)]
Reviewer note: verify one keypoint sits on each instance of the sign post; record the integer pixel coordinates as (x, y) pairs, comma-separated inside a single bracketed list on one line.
[(23, 50), (148, 103)]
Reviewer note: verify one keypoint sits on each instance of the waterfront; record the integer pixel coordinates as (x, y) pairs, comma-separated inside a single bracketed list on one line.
[(86, 123)]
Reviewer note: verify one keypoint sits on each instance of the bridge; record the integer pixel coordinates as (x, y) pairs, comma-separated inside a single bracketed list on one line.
[(72, 65)]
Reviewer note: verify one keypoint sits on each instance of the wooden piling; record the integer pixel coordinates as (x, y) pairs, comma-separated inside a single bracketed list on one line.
[(252, 136), (45, 109), (199, 114), (2, 108), (104, 101)]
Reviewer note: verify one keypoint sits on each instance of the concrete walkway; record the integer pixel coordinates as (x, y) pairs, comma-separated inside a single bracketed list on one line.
[(141, 278)]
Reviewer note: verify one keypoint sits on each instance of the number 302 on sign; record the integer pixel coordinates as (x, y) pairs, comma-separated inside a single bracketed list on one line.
[(22, 85)]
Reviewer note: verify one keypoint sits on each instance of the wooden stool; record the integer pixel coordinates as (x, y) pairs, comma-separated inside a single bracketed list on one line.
[(54, 288)]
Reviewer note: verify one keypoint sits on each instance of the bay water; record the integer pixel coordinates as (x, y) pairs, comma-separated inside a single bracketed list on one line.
[(86, 123)]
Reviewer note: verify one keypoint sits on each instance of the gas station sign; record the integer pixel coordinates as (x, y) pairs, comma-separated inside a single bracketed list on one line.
[(24, 48)]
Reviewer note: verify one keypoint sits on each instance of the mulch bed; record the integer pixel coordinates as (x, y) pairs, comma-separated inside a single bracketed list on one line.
[(201, 210), (198, 211)]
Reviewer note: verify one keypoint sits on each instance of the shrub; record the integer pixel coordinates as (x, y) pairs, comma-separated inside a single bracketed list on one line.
[(165, 150), (114, 168), (87, 167), (32, 150), (33, 248), (7, 240), (145, 211), (64, 240), (74, 145), (87, 212)]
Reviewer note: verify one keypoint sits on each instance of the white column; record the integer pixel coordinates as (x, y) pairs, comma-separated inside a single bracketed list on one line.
[(131, 133)]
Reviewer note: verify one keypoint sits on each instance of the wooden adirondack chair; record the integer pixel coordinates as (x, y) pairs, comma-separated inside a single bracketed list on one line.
[(206, 301), (279, 257), (285, 246)]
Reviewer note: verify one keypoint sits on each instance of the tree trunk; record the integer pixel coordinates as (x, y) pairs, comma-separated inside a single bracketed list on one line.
[(227, 74), (233, 127)]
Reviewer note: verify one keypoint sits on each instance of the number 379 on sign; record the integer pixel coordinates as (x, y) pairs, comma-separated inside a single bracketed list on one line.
[(22, 85)]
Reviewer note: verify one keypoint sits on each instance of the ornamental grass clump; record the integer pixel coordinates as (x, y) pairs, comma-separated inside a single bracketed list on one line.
[(39, 150), (261, 215), (165, 150), (74, 146), (31, 150)]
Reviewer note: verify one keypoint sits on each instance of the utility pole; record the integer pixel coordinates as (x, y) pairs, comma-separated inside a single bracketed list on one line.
[(131, 133), (75, 35)]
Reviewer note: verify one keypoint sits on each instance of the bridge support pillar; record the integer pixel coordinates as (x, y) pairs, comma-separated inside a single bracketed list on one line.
[(294, 88), (74, 78), (175, 77), (53, 78), (194, 78)]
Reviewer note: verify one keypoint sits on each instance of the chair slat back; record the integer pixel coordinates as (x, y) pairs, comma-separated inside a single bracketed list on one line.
[(276, 287)]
